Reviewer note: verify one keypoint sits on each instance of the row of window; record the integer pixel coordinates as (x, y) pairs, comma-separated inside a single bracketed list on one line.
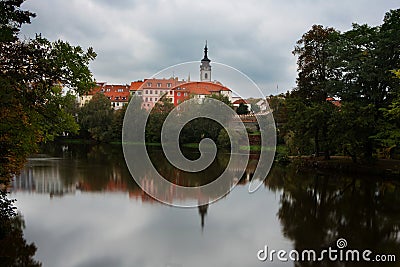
[(117, 98), (150, 99), (159, 85), (120, 90), (179, 94), (156, 92)]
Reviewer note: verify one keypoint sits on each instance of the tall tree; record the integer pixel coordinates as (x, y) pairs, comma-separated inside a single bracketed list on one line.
[(32, 72), (308, 102)]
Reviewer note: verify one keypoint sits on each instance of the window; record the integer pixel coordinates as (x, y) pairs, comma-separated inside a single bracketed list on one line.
[(118, 104), (151, 99), (116, 98), (155, 92), (170, 92), (158, 85), (155, 99), (178, 101), (147, 92), (149, 84), (205, 75), (123, 98), (185, 94), (151, 92), (169, 85), (108, 90), (178, 94), (120, 90), (147, 99)]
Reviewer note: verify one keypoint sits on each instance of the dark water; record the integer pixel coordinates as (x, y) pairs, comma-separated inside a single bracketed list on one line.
[(82, 208)]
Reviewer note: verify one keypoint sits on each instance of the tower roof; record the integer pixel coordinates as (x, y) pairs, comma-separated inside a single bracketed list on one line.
[(205, 54)]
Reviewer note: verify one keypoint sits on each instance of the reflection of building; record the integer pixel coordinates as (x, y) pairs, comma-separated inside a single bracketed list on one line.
[(42, 179), (203, 212)]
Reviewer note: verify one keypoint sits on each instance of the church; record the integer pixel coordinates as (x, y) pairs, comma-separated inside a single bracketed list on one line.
[(151, 90)]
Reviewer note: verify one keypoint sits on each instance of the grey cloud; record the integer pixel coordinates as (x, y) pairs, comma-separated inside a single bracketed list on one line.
[(135, 39)]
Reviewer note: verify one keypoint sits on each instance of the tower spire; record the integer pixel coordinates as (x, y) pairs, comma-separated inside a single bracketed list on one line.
[(205, 53), (205, 68)]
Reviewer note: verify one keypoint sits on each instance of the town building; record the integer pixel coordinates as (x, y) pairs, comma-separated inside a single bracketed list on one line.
[(117, 94), (153, 89)]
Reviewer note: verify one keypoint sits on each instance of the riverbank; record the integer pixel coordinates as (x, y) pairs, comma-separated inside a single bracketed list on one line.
[(341, 164)]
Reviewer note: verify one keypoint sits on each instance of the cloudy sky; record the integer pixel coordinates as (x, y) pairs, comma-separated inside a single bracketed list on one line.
[(134, 39)]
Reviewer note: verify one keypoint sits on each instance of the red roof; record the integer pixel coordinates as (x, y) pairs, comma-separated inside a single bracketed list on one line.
[(239, 101), (116, 93), (201, 88), (135, 85), (163, 84)]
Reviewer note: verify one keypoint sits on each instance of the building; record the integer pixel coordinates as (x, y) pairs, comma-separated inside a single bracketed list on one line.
[(203, 88), (237, 103), (134, 88), (205, 67), (153, 89), (117, 94), (187, 90)]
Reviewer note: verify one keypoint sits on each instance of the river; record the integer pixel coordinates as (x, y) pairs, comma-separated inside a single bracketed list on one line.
[(81, 207)]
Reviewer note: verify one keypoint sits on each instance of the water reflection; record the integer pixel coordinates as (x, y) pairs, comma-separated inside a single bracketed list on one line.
[(292, 210), (317, 209)]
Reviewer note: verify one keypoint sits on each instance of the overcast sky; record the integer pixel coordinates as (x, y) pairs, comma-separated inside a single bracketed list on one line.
[(135, 39)]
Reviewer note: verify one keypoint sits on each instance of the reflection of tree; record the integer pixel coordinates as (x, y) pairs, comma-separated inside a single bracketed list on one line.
[(317, 210), (14, 251)]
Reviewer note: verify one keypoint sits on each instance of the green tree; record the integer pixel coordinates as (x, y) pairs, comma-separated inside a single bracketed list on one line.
[(95, 118), (365, 56), (32, 109), (156, 119), (242, 109), (308, 105)]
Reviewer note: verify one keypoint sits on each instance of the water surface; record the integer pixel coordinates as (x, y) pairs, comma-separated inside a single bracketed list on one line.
[(82, 208)]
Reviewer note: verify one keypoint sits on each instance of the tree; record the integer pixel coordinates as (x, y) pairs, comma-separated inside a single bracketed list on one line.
[(32, 109), (242, 109), (156, 119), (309, 100), (365, 56), (95, 118)]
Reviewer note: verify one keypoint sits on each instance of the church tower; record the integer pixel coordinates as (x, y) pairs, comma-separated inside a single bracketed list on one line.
[(205, 68)]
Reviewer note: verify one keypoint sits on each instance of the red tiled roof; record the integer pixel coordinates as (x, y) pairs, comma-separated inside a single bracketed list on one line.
[(135, 85), (116, 93), (239, 101), (334, 101), (160, 83), (201, 88)]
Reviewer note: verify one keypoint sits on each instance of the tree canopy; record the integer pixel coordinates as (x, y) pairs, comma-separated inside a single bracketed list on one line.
[(33, 73), (356, 68)]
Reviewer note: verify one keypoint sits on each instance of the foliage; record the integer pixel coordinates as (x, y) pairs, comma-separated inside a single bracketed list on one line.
[(242, 109), (355, 67), (95, 118), (14, 251), (156, 119), (32, 73)]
